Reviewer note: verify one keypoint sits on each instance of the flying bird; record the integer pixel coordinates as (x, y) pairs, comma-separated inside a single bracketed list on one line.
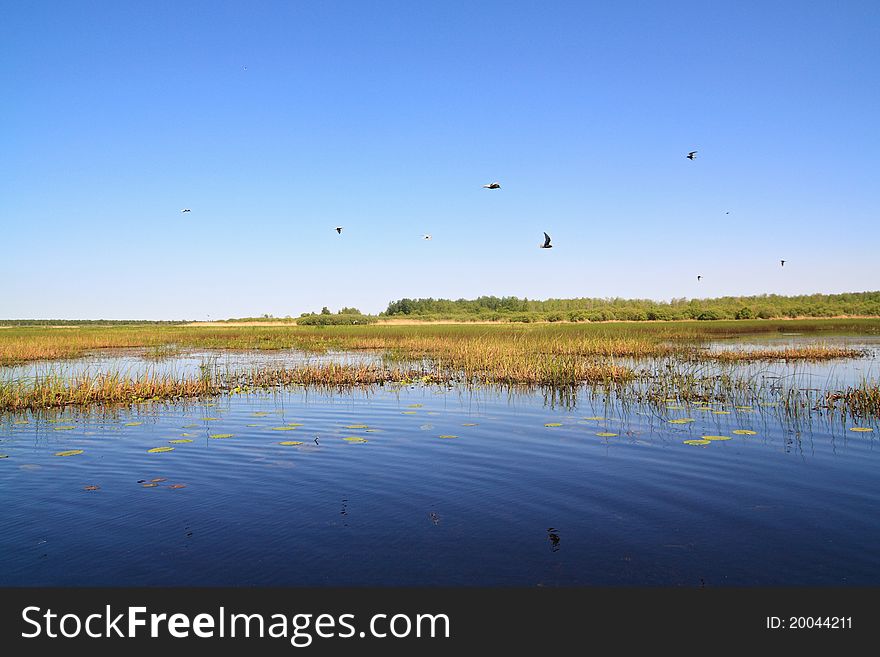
[(338, 229), (782, 263), (494, 185), (186, 210), (692, 155), (546, 244), (426, 237), (699, 278)]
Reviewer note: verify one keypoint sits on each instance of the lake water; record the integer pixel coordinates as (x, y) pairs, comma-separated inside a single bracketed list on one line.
[(452, 486)]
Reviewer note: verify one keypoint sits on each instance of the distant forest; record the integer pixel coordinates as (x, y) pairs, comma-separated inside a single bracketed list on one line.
[(514, 309)]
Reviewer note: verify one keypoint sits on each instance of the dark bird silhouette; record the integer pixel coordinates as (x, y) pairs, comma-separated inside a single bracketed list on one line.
[(338, 229), (692, 155), (186, 210), (782, 263), (699, 278), (426, 237), (493, 185), (546, 244)]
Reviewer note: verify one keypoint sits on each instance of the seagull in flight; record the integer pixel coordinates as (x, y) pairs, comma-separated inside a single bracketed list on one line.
[(692, 155), (426, 237), (546, 244), (493, 185), (186, 210), (338, 229)]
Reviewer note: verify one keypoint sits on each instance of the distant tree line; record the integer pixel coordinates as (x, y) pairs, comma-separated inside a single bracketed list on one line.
[(345, 316), (514, 309)]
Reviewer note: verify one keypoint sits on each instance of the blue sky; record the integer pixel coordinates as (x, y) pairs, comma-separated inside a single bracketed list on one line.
[(276, 121)]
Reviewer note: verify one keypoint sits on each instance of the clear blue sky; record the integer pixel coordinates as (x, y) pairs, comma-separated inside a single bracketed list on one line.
[(276, 121)]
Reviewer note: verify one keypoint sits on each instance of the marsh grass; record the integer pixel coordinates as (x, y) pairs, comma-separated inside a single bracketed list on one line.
[(612, 340)]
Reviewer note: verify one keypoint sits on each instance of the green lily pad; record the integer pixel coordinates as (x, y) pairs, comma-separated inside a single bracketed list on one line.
[(744, 432), (697, 442), (861, 429), (66, 427), (469, 424), (681, 420), (606, 434), (180, 441), (715, 438), (220, 436), (290, 442), (133, 424), (159, 450), (356, 426), (259, 414), (553, 424), (448, 436), (355, 439), (69, 452), (283, 428)]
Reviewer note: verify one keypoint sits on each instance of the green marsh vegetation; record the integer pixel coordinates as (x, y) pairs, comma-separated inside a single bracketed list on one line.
[(643, 362)]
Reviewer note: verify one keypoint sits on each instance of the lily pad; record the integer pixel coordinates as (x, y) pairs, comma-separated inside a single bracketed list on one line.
[(744, 432), (220, 436), (407, 412), (65, 427), (469, 424), (595, 417), (133, 424), (283, 428), (69, 452), (553, 424), (721, 412), (606, 434), (159, 450), (681, 420), (356, 426), (414, 405), (20, 422), (355, 439), (176, 486), (159, 480), (861, 429), (290, 442), (259, 414), (714, 438), (4, 456), (697, 442), (209, 419), (180, 441), (448, 436), (294, 424), (149, 485)]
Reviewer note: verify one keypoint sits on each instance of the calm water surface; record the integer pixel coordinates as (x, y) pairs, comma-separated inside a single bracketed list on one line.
[(506, 501)]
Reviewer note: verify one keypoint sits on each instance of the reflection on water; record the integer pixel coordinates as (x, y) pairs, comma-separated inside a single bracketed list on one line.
[(449, 485), (422, 485)]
